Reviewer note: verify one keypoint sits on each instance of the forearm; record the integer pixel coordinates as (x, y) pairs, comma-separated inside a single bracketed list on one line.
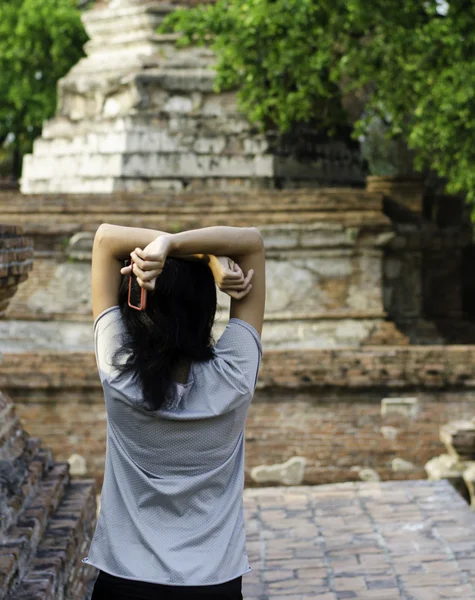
[(234, 242), (121, 241)]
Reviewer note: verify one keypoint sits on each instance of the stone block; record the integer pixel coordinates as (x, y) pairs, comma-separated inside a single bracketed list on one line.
[(179, 104), (281, 295), (366, 473), (348, 331), (193, 165), (80, 246), (405, 407), (282, 237), (324, 235), (290, 472), (220, 105), (111, 143), (400, 464), (154, 141), (459, 439), (448, 467), (263, 165), (69, 285), (210, 145), (92, 166), (255, 146), (142, 186), (444, 466), (179, 79), (77, 464), (389, 433), (469, 479)]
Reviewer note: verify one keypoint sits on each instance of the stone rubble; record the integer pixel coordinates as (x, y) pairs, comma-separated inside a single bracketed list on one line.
[(458, 466)]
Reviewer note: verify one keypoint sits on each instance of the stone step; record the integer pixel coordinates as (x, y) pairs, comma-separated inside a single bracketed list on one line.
[(88, 79), (37, 589), (127, 40), (154, 141), (102, 22), (23, 537), (9, 428), (151, 166), (24, 477), (179, 166), (118, 63), (166, 45), (179, 79), (57, 564), (15, 257), (216, 115), (337, 202), (158, 50)]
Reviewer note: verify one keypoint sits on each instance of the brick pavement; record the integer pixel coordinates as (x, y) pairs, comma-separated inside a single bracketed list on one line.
[(393, 540)]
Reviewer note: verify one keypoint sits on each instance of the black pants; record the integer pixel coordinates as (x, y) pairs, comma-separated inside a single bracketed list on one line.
[(109, 587)]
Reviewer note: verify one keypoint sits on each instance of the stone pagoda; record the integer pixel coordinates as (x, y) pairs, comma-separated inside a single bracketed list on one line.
[(138, 114)]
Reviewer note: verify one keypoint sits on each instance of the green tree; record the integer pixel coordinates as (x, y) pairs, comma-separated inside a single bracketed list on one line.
[(415, 59), (292, 60), (40, 40), (276, 53)]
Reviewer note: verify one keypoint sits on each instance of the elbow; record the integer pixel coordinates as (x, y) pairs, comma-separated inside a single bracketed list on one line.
[(103, 230), (102, 233), (258, 239)]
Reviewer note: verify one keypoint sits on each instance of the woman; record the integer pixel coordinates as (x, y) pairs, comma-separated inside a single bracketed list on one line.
[(171, 520)]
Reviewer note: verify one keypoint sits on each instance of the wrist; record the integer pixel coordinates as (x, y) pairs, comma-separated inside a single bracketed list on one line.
[(214, 265), (168, 238)]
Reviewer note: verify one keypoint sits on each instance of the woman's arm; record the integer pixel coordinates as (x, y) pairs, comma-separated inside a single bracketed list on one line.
[(113, 244), (234, 242), (243, 244)]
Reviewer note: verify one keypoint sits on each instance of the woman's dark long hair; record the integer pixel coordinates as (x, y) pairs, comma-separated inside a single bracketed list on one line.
[(175, 325)]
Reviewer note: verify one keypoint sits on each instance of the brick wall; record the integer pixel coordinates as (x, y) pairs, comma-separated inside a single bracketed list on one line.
[(47, 520), (323, 405)]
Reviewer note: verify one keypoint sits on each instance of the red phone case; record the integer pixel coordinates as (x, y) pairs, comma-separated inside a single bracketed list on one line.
[(143, 294)]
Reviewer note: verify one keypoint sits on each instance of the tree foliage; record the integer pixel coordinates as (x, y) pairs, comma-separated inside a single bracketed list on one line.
[(292, 60), (40, 40), (416, 60), (276, 52)]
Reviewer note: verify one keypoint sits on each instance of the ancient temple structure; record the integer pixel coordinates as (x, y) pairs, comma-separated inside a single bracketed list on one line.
[(363, 297), (140, 117), (46, 520), (138, 114)]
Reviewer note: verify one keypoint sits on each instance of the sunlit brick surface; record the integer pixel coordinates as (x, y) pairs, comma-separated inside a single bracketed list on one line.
[(412, 540)]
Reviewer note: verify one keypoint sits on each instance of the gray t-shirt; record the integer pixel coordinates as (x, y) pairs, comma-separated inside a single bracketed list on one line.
[(171, 503)]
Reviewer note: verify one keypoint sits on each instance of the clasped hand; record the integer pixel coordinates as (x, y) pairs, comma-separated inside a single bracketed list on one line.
[(148, 264)]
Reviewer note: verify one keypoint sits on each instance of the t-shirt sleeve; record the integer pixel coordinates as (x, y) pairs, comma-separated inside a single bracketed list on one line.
[(240, 348), (109, 333)]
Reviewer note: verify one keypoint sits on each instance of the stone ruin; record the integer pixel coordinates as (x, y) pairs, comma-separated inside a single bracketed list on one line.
[(46, 519), (327, 244), (140, 137), (458, 465), (138, 118), (139, 114)]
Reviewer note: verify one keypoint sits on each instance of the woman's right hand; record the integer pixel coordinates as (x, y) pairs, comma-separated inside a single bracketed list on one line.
[(149, 262), (230, 278)]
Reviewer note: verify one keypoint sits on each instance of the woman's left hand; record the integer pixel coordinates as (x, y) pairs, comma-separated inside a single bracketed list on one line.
[(149, 262), (230, 278)]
